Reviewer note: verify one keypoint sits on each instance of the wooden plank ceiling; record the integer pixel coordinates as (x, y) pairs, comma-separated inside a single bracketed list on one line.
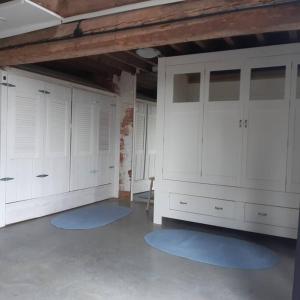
[(98, 48)]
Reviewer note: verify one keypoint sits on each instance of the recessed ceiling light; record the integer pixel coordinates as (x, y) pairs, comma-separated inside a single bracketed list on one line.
[(148, 52)]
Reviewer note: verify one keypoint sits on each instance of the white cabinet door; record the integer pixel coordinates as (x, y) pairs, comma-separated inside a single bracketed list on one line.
[(24, 135), (183, 123), (266, 124), (151, 141), (3, 118), (293, 177), (222, 128), (104, 127), (84, 137), (140, 140), (52, 171)]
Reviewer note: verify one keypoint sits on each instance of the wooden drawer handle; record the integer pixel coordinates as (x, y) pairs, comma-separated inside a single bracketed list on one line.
[(218, 208), (262, 214), (183, 203)]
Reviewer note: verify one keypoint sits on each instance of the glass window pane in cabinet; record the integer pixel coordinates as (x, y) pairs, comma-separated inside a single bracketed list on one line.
[(298, 84), (224, 85), (267, 83), (186, 88)]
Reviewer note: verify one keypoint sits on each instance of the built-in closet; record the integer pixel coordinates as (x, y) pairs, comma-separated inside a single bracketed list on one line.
[(229, 152)]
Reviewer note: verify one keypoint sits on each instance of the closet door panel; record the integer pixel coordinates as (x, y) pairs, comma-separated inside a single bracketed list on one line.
[(3, 120), (266, 124), (293, 180), (140, 140), (104, 142), (83, 157), (183, 123), (25, 135), (222, 129), (151, 141), (57, 139)]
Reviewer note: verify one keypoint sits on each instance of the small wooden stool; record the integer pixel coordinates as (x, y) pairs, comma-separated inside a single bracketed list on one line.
[(150, 192)]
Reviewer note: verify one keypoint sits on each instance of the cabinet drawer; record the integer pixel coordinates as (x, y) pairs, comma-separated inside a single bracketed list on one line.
[(271, 215), (202, 205)]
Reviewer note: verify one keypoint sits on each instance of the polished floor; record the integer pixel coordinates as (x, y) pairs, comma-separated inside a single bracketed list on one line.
[(40, 262)]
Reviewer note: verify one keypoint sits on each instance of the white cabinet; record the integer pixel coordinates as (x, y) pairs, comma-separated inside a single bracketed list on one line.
[(38, 138), (266, 124), (92, 141), (51, 171), (24, 135), (222, 128), (230, 124), (293, 179), (183, 123)]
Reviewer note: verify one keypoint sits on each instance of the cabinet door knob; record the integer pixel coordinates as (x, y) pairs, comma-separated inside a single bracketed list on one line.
[(6, 179), (42, 175)]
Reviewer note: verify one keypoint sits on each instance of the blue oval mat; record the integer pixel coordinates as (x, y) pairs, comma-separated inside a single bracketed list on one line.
[(212, 249), (89, 217)]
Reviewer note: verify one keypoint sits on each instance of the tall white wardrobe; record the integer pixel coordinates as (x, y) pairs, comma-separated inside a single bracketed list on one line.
[(229, 152), (144, 145), (57, 146)]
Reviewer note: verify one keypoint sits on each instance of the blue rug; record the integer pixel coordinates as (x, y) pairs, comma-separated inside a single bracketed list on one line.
[(212, 249), (89, 217)]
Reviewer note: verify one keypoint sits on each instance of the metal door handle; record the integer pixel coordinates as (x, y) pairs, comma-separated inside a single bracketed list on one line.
[(8, 84), (112, 167), (262, 214), (218, 208), (6, 179), (42, 175), (183, 203), (44, 92)]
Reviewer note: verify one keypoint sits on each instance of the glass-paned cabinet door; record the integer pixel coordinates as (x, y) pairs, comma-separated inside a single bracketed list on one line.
[(186, 87), (267, 83), (267, 95), (183, 122), (293, 177), (222, 127)]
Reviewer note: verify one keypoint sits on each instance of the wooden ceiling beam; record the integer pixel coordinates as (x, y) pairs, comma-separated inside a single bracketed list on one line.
[(230, 41), (250, 21), (68, 8), (261, 38), (143, 17), (293, 36)]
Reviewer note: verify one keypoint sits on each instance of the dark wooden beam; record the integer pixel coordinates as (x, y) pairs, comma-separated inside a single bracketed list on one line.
[(67, 8), (261, 38), (245, 22), (293, 36), (230, 42), (144, 17)]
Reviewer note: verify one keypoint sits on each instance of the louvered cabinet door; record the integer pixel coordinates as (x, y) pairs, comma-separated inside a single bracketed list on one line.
[(83, 163), (57, 140), (104, 141), (24, 135), (140, 140), (3, 118)]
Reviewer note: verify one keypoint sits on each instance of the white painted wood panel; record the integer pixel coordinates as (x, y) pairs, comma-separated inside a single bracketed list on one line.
[(222, 127), (183, 124), (293, 176), (266, 124), (25, 135)]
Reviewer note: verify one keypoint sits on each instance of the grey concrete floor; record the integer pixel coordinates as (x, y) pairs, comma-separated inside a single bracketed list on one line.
[(41, 262)]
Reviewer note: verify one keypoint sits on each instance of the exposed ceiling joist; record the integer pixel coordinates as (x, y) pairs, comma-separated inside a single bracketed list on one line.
[(261, 38), (230, 41), (244, 22), (133, 19)]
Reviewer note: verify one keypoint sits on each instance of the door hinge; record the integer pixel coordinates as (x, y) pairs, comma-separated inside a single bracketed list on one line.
[(7, 84)]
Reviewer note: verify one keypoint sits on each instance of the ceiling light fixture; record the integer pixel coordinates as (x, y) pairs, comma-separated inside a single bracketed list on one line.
[(148, 52)]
